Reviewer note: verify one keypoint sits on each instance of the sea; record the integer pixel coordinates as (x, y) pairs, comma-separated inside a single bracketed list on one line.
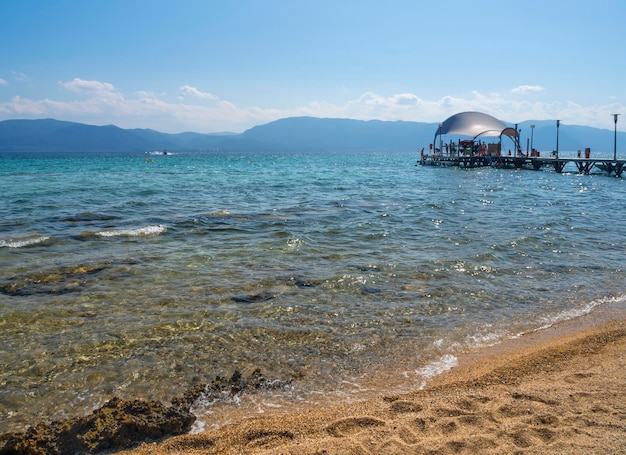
[(339, 275)]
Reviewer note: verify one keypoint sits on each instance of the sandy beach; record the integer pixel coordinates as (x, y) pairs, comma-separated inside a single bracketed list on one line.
[(559, 391)]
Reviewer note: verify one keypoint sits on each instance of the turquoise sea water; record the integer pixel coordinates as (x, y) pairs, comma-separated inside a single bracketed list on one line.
[(136, 275)]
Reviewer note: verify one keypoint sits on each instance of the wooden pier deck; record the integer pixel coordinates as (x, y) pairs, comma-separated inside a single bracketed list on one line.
[(583, 165)]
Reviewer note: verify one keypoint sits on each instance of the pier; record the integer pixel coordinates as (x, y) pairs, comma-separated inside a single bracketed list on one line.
[(583, 165), (474, 152)]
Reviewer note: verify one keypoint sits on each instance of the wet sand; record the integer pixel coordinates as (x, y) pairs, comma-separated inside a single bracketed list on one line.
[(558, 391)]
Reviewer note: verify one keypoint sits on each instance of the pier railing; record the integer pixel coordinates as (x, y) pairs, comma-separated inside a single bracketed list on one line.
[(583, 165)]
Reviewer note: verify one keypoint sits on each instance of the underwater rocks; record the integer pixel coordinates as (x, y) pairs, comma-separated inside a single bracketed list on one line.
[(223, 388), (253, 298), (121, 424), (57, 281), (116, 425)]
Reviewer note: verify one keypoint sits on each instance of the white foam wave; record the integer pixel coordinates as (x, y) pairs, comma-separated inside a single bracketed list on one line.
[(137, 232), (492, 338), (220, 213), (197, 427), (22, 242), (574, 313), (482, 340), (435, 368)]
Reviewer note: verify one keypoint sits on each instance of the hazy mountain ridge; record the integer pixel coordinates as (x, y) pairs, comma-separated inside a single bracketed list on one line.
[(293, 134)]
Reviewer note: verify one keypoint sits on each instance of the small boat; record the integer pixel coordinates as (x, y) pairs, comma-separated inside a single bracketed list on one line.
[(160, 152)]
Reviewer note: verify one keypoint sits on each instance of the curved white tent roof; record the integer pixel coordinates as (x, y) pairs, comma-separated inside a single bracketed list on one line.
[(475, 124)]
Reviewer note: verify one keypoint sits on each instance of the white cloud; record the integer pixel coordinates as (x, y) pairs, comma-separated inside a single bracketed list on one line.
[(19, 76), (146, 94), (90, 88), (3, 82), (187, 90), (101, 103), (527, 88), (22, 107), (370, 105)]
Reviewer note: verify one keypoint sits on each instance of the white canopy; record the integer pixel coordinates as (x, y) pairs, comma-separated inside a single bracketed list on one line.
[(475, 124)]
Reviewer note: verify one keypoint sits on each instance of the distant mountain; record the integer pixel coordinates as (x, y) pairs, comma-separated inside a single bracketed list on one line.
[(295, 134), (55, 135), (308, 134)]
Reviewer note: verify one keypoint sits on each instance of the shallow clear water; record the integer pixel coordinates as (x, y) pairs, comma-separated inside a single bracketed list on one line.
[(139, 276)]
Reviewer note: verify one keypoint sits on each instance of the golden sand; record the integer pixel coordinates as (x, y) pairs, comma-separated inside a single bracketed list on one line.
[(559, 391)]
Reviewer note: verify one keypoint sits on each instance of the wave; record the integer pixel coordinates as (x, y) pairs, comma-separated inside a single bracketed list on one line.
[(136, 232), (24, 241), (574, 313), (436, 367), (491, 337)]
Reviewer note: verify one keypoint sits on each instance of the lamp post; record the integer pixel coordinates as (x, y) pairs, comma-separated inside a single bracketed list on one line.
[(558, 124), (532, 134), (615, 137), (440, 139)]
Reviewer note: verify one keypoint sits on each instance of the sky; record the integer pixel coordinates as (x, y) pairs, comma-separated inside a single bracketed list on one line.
[(227, 65)]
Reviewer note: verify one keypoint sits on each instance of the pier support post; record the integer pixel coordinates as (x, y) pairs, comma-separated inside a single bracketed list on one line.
[(559, 165), (584, 167)]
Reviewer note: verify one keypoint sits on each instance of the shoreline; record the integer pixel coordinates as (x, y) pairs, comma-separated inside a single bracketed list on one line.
[(557, 390)]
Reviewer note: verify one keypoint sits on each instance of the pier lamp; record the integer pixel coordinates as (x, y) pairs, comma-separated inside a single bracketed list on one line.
[(615, 137), (558, 124), (532, 134)]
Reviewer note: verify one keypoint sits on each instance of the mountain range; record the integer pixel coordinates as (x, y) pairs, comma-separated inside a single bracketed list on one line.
[(294, 134)]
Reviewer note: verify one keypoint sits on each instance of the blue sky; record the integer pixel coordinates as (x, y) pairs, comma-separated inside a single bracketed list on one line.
[(211, 66)]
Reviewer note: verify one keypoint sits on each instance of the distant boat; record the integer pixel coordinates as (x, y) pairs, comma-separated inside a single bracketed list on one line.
[(159, 152)]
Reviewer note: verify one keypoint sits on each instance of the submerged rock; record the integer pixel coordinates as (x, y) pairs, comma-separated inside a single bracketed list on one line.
[(222, 387), (121, 424), (116, 425), (253, 298), (56, 281)]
